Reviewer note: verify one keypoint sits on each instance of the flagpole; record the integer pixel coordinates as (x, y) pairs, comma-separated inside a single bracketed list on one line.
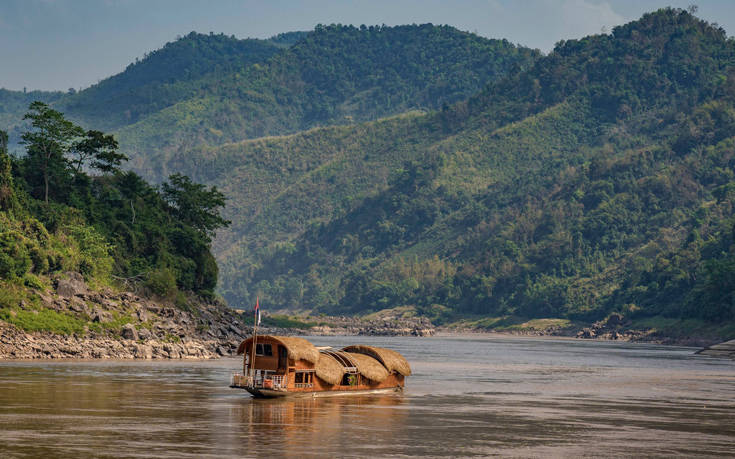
[(255, 338)]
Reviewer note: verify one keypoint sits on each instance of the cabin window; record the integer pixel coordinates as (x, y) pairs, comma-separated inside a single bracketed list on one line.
[(303, 379), (264, 350)]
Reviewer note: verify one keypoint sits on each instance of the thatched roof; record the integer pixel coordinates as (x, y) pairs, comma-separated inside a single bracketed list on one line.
[(328, 369), (368, 367), (298, 348), (391, 360)]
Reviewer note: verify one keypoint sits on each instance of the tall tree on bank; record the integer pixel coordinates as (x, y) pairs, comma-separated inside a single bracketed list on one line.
[(101, 149), (50, 139), (57, 147), (195, 204), (7, 195)]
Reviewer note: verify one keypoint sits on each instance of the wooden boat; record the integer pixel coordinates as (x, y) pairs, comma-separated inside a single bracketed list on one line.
[(289, 366)]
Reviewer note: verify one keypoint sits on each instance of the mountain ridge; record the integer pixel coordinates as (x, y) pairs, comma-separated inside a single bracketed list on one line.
[(253, 88), (595, 180), (582, 200)]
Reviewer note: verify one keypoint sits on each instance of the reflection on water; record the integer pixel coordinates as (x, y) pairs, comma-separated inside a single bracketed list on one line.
[(306, 426), (469, 396)]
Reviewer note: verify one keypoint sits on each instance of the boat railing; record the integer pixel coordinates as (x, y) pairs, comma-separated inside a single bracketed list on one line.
[(278, 382), (238, 380)]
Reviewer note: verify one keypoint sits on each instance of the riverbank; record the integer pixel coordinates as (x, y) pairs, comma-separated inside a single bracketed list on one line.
[(73, 321), (136, 343), (655, 330), (362, 326)]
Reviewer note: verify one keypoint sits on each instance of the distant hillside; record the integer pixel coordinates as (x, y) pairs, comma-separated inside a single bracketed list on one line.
[(334, 75), (176, 72), (287, 39), (207, 90), (180, 70), (599, 180)]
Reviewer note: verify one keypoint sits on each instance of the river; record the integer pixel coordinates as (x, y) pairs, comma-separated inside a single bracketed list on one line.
[(469, 396)]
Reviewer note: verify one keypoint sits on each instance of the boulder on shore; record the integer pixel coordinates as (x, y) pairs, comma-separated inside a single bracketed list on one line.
[(129, 332), (70, 285)]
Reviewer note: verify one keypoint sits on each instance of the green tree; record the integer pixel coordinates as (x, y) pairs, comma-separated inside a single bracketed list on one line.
[(51, 138), (101, 149), (7, 194), (195, 204)]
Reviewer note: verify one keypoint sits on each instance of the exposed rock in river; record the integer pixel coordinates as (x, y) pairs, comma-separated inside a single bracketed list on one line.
[(613, 328), (726, 349)]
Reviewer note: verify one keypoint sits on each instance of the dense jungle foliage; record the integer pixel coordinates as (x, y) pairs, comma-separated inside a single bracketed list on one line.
[(599, 180), (112, 227)]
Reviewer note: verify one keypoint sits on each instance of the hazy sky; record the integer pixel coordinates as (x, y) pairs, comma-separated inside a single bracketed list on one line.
[(58, 44)]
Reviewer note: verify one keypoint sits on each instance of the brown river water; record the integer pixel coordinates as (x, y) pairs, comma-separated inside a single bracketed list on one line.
[(469, 396)]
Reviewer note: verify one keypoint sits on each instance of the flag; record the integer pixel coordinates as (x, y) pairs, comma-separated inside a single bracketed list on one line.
[(257, 311)]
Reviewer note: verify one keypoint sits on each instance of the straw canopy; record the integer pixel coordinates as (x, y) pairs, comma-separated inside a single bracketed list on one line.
[(368, 367), (331, 366), (391, 360), (298, 348), (328, 369)]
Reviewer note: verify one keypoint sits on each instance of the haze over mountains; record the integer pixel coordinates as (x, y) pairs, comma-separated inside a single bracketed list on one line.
[(376, 167)]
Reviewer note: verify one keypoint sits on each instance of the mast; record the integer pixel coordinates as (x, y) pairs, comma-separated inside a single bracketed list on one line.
[(255, 338)]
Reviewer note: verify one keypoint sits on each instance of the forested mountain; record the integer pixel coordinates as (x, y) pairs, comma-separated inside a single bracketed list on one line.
[(162, 78), (207, 90), (180, 70), (598, 180), (334, 75)]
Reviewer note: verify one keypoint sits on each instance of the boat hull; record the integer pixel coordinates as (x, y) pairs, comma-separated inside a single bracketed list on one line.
[(259, 392)]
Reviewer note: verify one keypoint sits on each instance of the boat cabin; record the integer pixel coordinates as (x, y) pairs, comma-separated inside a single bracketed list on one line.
[(283, 365)]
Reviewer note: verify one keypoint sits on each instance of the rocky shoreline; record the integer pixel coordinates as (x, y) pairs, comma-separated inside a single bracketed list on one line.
[(16, 344), (124, 325), (158, 329), (385, 326), (143, 344), (614, 328)]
